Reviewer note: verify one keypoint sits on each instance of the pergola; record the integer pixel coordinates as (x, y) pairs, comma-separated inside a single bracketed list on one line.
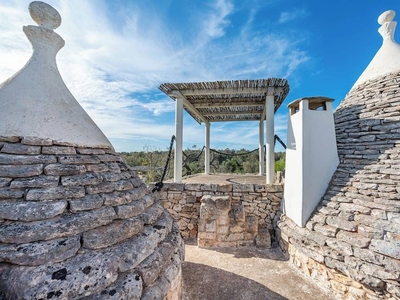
[(225, 101)]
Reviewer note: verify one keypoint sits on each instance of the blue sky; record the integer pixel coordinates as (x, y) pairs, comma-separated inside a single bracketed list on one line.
[(118, 52)]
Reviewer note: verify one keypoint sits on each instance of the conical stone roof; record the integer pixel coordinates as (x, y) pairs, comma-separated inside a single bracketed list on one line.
[(356, 228), (35, 102), (75, 221)]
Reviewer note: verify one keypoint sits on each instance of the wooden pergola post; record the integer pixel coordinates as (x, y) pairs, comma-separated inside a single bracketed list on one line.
[(207, 149), (261, 153), (178, 139), (270, 132)]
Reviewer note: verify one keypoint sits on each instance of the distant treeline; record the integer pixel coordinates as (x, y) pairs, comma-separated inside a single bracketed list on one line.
[(221, 161)]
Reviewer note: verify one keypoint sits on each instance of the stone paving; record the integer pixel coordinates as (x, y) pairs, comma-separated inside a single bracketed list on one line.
[(246, 273), (224, 179)]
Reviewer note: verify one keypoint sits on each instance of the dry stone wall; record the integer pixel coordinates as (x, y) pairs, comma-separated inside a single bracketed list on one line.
[(77, 223), (354, 233), (258, 202), (222, 224)]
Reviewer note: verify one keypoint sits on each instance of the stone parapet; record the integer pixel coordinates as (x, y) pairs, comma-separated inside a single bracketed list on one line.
[(183, 201)]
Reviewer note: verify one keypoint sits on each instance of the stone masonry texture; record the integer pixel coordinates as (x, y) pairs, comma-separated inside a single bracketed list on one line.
[(77, 223), (351, 244), (258, 204)]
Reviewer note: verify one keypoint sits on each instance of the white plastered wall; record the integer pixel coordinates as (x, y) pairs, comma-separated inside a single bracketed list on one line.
[(311, 160)]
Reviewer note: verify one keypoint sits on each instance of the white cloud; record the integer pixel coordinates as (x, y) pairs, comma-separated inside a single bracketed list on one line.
[(216, 21), (113, 63), (160, 107), (288, 16)]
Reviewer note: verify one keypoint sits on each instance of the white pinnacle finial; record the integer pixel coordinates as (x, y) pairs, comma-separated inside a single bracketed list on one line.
[(44, 15), (35, 102), (388, 25), (387, 16), (387, 59)]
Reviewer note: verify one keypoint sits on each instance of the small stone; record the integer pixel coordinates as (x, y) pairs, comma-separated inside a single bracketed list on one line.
[(7, 193), (151, 268), (152, 214), (389, 248), (4, 181), (89, 151), (111, 234), (63, 225), (123, 185), (115, 198), (249, 188), (110, 158), (60, 150), (104, 187), (130, 210), (137, 182), (353, 239), (55, 193), (9, 159), (88, 202), (111, 176), (378, 272), (31, 211), (342, 247), (70, 278), (20, 149), (11, 139), (35, 182), (36, 141), (82, 179), (38, 253), (340, 223), (20, 171), (61, 170), (99, 168), (78, 159), (131, 252), (326, 230)]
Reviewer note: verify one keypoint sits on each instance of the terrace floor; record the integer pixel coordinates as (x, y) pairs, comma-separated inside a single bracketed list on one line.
[(246, 273), (224, 179)]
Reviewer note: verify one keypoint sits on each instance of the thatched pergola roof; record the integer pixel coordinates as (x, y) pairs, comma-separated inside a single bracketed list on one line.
[(232, 100)]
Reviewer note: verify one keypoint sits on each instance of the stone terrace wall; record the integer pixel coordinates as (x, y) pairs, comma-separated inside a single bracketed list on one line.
[(77, 223), (183, 202), (352, 242)]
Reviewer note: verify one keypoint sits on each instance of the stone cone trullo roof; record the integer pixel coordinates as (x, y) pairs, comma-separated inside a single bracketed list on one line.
[(75, 221), (35, 102), (356, 228), (387, 59)]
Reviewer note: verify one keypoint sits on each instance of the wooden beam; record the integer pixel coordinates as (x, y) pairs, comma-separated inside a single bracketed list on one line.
[(189, 106), (233, 120), (230, 113), (225, 91), (222, 91), (227, 104)]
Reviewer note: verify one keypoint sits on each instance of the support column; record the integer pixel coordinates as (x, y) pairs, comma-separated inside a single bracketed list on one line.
[(207, 150), (270, 132), (261, 153), (178, 139)]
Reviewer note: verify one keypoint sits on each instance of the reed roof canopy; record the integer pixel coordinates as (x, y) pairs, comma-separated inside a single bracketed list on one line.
[(231, 100)]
